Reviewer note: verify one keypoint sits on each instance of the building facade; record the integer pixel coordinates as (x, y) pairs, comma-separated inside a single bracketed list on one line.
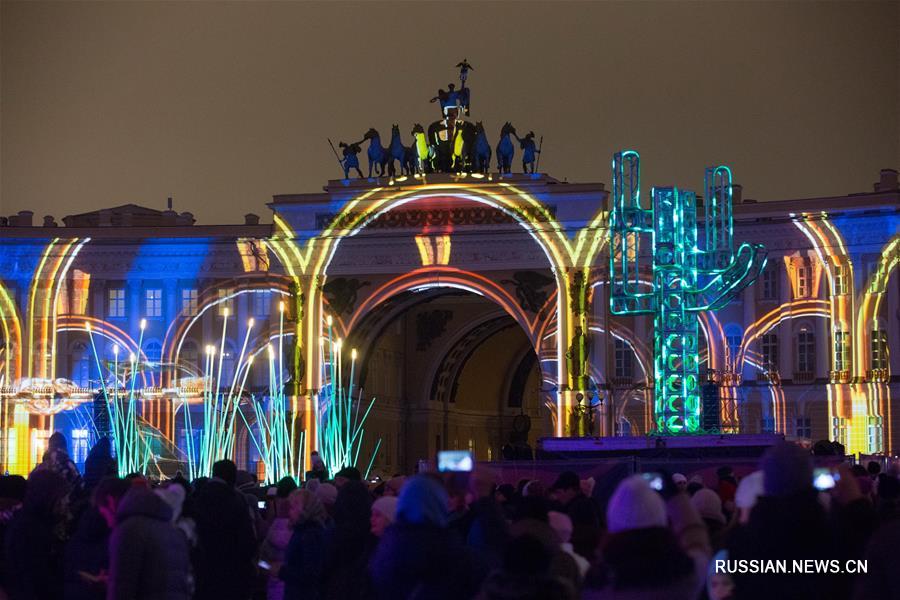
[(477, 308)]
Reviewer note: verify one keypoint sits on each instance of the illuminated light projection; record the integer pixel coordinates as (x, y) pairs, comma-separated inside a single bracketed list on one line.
[(686, 278), (854, 406), (570, 261), (341, 428), (131, 443)]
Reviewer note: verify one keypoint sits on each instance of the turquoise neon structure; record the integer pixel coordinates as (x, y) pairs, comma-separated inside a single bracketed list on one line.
[(686, 279)]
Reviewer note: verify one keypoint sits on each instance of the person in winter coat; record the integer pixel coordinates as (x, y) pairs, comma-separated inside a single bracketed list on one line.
[(274, 546), (419, 556), (384, 511), (226, 566), (87, 553), (304, 567), (149, 557), (789, 522), (646, 557), (99, 464), (56, 458), (34, 543), (350, 543)]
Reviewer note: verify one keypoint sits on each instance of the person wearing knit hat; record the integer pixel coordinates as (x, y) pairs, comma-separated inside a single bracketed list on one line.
[(644, 556), (562, 525), (384, 511), (680, 480), (634, 505), (327, 494), (419, 556), (748, 491), (709, 505), (787, 470)]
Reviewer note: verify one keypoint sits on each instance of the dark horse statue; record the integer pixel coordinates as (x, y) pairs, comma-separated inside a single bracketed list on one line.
[(378, 155), (397, 152), (506, 148), (481, 151)]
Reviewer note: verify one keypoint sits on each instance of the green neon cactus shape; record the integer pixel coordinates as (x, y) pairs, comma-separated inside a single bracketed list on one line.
[(686, 279)]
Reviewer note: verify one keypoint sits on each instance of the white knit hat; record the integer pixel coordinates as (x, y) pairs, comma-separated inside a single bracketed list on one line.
[(635, 505), (748, 490)]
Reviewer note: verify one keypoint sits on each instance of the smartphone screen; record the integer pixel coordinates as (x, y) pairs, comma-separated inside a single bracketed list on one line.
[(264, 565), (654, 479), (455, 461), (823, 479), (261, 504)]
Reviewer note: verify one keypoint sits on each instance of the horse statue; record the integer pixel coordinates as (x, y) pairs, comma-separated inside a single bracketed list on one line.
[(481, 151), (422, 151), (396, 152), (463, 144), (378, 155), (505, 148)]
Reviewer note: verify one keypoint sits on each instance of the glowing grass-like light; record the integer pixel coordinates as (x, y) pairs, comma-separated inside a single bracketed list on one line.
[(340, 428), (131, 443)]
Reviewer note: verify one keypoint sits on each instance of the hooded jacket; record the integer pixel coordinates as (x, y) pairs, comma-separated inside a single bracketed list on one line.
[(419, 556), (149, 557)]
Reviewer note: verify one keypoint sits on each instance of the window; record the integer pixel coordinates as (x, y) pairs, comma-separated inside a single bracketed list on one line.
[(80, 443), (767, 425), (733, 337), (804, 281), (262, 304), (153, 351), (770, 283), (81, 364), (225, 305), (841, 351), (623, 427), (189, 302), (804, 427), (624, 360), (153, 306), (806, 351), (879, 349), (770, 351), (874, 439), (841, 276), (116, 302)]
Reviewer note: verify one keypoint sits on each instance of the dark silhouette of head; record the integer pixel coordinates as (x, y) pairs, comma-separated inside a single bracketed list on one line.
[(225, 470)]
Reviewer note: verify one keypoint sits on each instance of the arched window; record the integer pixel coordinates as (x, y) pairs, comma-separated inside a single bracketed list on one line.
[(228, 362), (80, 369), (624, 356), (734, 335), (153, 352)]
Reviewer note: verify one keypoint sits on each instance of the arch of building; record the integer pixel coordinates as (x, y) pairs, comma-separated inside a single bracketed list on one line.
[(308, 260)]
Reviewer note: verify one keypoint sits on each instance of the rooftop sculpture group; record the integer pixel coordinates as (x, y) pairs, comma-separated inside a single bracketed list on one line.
[(449, 145)]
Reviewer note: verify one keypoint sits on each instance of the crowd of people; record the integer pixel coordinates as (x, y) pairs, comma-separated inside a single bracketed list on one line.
[(445, 535)]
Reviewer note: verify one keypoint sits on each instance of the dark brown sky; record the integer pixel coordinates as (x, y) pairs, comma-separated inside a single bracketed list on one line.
[(224, 104)]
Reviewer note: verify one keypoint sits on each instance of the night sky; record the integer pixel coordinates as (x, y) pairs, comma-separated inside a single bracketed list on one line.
[(222, 105)]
